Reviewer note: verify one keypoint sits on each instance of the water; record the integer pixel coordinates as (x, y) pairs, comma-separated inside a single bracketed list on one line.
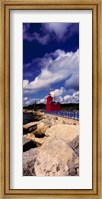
[(66, 114), (27, 117)]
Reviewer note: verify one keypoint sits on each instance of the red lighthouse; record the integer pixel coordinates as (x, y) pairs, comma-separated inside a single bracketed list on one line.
[(52, 106)]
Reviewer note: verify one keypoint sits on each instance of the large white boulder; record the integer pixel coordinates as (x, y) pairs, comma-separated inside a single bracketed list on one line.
[(64, 131), (55, 158)]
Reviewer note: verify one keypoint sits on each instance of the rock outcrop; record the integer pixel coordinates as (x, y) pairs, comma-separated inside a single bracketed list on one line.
[(28, 162), (51, 147), (56, 158), (64, 131), (27, 128)]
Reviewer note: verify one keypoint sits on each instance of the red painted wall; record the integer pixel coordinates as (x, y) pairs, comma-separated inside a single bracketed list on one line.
[(49, 99), (52, 106)]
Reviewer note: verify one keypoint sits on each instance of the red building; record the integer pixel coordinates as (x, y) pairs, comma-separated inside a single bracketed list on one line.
[(52, 106)]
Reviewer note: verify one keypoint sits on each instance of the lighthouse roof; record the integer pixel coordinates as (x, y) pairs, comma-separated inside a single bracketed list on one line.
[(48, 95)]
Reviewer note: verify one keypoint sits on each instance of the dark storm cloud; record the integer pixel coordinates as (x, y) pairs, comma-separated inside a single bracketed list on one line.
[(50, 31)]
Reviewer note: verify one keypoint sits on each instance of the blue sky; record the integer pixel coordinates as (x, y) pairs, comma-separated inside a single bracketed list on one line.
[(50, 62)]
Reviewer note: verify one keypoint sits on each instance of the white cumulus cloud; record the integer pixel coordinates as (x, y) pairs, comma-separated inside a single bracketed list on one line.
[(71, 98), (58, 92), (56, 67), (27, 101), (43, 101)]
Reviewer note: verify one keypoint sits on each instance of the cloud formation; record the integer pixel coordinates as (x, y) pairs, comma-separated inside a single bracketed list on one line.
[(59, 96), (42, 101), (66, 99), (27, 101), (50, 31), (59, 29), (58, 92), (71, 99), (57, 66)]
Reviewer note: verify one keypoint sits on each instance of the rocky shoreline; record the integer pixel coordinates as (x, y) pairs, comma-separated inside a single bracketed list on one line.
[(50, 146)]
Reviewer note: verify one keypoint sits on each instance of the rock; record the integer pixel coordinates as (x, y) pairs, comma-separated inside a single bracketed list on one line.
[(73, 168), (46, 120), (27, 128), (61, 121), (28, 145), (75, 144), (55, 158), (28, 162), (42, 127), (39, 141), (53, 121), (63, 131), (37, 138), (56, 142), (27, 111), (25, 140), (29, 136)]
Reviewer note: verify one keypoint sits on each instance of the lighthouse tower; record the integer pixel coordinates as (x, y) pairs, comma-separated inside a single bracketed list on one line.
[(49, 101), (52, 106)]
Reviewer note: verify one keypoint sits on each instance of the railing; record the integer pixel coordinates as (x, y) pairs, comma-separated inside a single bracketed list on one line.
[(66, 114)]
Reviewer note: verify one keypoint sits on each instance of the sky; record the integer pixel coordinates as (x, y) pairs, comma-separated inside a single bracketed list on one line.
[(50, 62)]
